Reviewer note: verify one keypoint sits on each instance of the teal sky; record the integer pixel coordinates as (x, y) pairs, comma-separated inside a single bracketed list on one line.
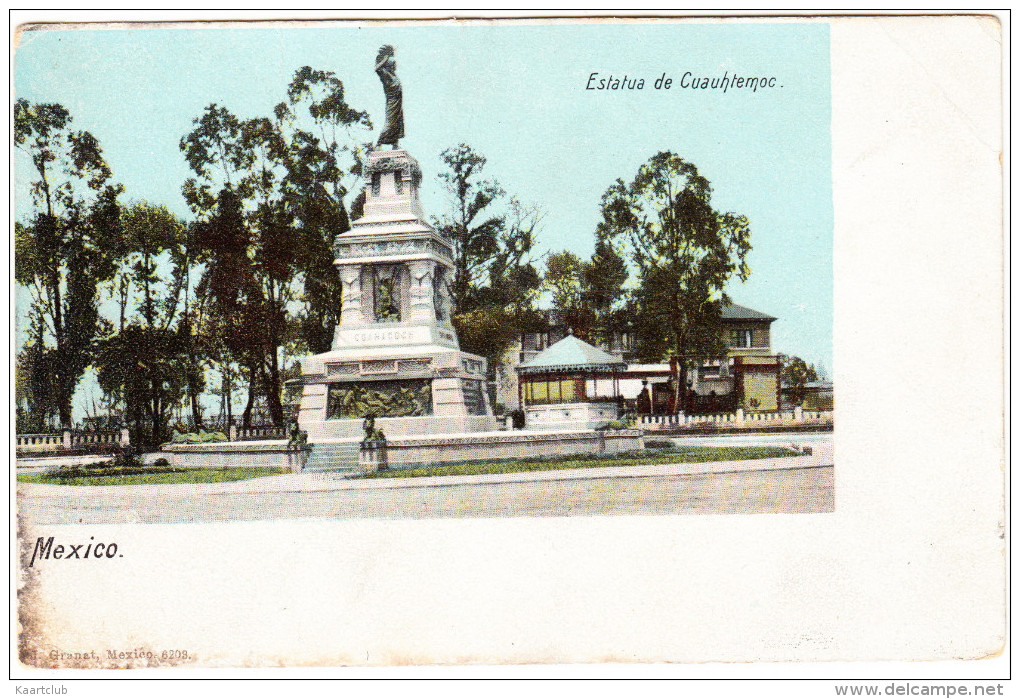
[(516, 94)]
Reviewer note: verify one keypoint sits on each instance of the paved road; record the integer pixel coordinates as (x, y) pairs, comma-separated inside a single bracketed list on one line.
[(786, 490)]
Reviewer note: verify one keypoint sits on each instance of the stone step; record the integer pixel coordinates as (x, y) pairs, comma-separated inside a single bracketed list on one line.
[(334, 456)]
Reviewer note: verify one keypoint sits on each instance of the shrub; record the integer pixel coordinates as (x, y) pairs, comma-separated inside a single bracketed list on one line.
[(517, 418), (127, 457), (197, 437), (816, 402), (627, 421), (108, 469)]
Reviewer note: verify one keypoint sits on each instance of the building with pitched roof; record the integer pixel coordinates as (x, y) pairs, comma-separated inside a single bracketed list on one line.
[(570, 384), (748, 376)]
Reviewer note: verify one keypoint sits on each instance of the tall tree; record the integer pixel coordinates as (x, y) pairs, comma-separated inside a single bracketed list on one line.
[(495, 281), (232, 295), (269, 193), (145, 365), (64, 251), (684, 252)]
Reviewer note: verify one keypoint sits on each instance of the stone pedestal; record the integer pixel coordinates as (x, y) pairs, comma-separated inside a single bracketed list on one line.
[(395, 351), (372, 456)]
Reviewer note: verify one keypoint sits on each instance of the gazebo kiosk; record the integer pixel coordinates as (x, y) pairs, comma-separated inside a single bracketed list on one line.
[(570, 385)]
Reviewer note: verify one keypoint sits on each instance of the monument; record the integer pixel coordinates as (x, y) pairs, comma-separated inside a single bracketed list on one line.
[(395, 355)]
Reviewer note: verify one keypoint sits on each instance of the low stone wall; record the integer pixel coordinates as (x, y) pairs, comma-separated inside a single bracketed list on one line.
[(410, 452), (264, 454)]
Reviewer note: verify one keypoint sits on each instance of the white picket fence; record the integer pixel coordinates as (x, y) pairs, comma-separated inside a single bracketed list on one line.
[(738, 419)]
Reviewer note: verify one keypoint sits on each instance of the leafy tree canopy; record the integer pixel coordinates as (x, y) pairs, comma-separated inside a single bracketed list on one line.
[(146, 363), (796, 374), (269, 193), (495, 281), (589, 293)]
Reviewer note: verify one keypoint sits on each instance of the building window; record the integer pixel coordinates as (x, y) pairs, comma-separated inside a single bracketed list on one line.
[(538, 391), (708, 372), (740, 338), (398, 182), (376, 183)]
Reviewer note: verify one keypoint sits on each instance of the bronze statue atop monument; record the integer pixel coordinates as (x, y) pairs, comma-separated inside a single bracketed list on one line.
[(386, 69)]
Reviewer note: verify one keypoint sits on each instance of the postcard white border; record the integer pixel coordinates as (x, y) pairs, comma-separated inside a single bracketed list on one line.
[(911, 563)]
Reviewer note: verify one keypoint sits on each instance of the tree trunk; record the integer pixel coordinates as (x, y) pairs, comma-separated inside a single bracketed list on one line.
[(252, 389), (64, 397), (155, 414), (680, 399), (64, 407), (123, 300), (149, 315), (196, 410), (226, 392), (680, 389), (194, 378), (272, 387)]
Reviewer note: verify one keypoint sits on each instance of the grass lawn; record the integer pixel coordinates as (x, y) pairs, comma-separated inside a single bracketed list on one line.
[(193, 475), (680, 455)]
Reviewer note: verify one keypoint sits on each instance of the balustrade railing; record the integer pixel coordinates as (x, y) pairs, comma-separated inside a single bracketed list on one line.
[(72, 440), (89, 441), (740, 418), (238, 433)]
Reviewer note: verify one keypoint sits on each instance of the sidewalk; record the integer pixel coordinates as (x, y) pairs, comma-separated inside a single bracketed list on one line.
[(24, 464), (325, 482)]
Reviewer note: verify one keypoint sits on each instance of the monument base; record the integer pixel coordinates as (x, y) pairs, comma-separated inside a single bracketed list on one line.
[(444, 391), (346, 457)]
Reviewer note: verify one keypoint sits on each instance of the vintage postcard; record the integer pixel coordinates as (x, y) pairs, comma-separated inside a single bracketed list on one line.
[(507, 341)]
